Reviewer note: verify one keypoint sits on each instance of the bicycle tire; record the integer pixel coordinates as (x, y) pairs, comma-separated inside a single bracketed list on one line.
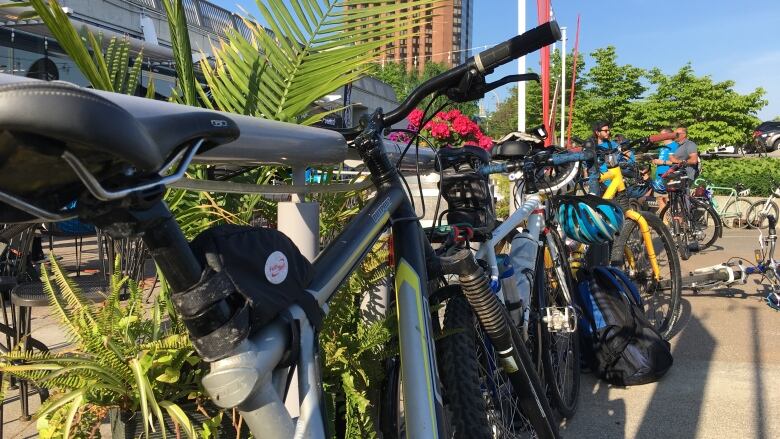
[(677, 226), (560, 350), (735, 214), (473, 381), (662, 311), (757, 208), (708, 220)]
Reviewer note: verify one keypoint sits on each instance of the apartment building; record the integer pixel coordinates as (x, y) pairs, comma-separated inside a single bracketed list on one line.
[(444, 35)]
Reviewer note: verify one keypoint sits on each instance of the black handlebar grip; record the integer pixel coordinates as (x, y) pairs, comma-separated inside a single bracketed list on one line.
[(518, 46)]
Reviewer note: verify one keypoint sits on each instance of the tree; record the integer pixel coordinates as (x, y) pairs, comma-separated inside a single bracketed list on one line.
[(404, 81), (714, 112), (504, 119), (610, 93)]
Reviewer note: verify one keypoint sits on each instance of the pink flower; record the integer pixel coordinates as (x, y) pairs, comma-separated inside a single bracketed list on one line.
[(443, 116), (396, 136), (485, 142), (452, 114), (415, 118), (440, 131), (463, 125)]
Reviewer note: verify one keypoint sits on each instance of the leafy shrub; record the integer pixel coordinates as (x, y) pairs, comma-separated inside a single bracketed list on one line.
[(754, 173)]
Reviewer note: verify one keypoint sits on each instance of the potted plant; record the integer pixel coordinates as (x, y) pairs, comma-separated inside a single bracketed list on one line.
[(137, 363)]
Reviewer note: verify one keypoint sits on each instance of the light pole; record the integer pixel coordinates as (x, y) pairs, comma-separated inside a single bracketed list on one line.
[(520, 70)]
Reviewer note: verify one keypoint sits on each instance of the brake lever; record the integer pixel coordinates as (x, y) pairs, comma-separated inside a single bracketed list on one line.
[(467, 90)]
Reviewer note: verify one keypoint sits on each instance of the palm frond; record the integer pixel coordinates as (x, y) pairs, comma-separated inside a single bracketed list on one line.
[(317, 46), (182, 52), (109, 71)]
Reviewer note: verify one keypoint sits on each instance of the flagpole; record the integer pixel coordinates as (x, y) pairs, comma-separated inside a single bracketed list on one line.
[(563, 84)]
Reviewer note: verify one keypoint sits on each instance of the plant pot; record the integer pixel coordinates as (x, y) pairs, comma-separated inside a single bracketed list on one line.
[(129, 425)]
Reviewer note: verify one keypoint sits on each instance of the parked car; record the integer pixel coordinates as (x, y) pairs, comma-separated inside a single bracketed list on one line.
[(767, 136)]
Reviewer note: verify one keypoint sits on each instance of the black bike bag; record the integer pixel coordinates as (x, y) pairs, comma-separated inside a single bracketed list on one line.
[(250, 276), (466, 191)]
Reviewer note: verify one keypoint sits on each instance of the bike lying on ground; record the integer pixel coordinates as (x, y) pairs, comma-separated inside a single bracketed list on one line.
[(250, 301), (734, 271)]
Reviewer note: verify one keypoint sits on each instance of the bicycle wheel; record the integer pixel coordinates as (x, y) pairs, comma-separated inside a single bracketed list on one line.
[(661, 298), (677, 225), (758, 213), (706, 223), (482, 401), (560, 341), (735, 214)]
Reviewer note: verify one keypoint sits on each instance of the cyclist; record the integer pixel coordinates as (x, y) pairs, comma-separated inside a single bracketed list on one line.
[(668, 147), (686, 151), (602, 137)]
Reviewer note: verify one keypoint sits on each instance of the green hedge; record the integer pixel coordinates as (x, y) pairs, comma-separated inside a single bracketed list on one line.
[(754, 173)]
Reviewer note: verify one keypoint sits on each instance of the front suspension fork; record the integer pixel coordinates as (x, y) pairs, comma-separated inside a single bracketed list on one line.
[(648, 240)]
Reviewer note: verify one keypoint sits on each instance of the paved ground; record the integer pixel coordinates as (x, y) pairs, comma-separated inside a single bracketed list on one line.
[(726, 374), (727, 362)]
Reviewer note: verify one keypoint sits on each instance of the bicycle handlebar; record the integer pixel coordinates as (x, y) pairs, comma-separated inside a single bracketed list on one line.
[(481, 64), (541, 159), (674, 168), (518, 46)]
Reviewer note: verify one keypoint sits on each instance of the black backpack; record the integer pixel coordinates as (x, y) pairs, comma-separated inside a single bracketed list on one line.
[(617, 341)]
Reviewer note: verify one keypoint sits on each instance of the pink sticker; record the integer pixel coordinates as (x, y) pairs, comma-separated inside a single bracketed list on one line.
[(276, 268)]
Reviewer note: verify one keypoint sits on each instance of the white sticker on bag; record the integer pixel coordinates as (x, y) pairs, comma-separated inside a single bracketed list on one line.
[(276, 268)]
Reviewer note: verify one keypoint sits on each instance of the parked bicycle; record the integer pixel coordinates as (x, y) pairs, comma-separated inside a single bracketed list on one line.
[(645, 249), (758, 215), (250, 301), (734, 211), (694, 223)]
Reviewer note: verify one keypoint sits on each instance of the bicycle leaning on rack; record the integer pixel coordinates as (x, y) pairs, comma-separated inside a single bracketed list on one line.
[(734, 211), (694, 223), (644, 248), (250, 301), (758, 215), (540, 310)]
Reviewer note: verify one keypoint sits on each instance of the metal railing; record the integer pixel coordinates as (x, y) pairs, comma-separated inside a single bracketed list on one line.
[(205, 15)]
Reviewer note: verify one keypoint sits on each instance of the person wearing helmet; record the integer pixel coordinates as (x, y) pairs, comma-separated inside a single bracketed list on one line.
[(589, 219), (663, 162)]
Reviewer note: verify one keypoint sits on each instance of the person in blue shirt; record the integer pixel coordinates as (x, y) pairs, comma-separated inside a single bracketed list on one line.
[(602, 137), (668, 148)]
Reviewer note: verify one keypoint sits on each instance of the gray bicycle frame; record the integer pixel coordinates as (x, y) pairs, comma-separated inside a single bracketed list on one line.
[(249, 379)]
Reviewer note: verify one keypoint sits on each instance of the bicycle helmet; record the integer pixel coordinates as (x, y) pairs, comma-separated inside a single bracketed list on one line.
[(638, 190), (658, 186), (589, 219)]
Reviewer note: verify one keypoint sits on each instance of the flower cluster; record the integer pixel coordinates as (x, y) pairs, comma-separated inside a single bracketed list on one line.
[(451, 128)]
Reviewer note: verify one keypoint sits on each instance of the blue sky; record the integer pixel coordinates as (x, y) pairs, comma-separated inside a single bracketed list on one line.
[(726, 39)]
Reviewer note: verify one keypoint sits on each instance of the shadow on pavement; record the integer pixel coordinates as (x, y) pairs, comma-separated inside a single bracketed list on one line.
[(681, 391), (757, 379)]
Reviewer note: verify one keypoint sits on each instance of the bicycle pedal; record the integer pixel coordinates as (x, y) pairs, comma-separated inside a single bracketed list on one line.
[(773, 301), (560, 319)]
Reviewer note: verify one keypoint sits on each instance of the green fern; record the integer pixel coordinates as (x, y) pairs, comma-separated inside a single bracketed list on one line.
[(113, 344)]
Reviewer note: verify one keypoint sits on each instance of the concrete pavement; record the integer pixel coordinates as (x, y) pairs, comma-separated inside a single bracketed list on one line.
[(725, 382)]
